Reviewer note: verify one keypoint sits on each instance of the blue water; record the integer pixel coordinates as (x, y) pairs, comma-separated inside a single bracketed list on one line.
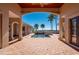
[(39, 36)]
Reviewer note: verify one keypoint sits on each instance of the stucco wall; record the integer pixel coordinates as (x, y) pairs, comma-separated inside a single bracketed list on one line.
[(12, 7), (16, 20), (4, 10), (68, 11), (0, 29), (11, 20), (28, 29)]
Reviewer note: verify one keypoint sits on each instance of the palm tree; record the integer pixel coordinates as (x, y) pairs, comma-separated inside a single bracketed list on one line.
[(42, 26), (56, 22), (36, 26), (51, 18)]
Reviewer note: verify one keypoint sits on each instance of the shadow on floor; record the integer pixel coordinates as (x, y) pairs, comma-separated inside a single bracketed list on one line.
[(72, 46)]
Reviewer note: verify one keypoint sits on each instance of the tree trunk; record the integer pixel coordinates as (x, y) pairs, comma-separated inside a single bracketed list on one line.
[(56, 24), (42, 30), (51, 25)]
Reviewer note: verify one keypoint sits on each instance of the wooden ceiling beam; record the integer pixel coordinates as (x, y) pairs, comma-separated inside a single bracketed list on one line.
[(40, 5)]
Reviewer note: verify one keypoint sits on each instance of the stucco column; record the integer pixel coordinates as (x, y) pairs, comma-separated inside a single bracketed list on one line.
[(67, 30), (20, 30), (12, 32), (5, 28), (60, 28), (0, 30)]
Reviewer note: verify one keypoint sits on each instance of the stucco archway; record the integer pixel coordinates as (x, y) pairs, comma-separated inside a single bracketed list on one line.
[(14, 30), (56, 32)]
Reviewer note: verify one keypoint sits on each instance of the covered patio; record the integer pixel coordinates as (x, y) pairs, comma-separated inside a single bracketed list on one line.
[(39, 46), (11, 25)]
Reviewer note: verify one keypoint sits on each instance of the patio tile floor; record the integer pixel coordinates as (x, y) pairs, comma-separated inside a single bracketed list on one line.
[(39, 46)]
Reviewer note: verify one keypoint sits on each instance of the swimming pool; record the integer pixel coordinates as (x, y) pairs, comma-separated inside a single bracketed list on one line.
[(40, 35)]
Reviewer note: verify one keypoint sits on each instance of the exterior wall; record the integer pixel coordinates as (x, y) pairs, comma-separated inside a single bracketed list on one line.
[(0, 28), (4, 10), (28, 29), (11, 22), (5, 28), (61, 27), (11, 7), (68, 11)]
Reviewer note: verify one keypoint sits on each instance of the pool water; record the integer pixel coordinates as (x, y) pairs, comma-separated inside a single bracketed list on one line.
[(40, 35)]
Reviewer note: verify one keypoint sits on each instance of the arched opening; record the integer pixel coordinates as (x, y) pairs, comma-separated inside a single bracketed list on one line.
[(15, 25), (15, 30), (23, 30), (40, 18)]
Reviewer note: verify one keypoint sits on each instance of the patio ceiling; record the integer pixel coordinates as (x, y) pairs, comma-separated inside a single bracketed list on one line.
[(40, 5)]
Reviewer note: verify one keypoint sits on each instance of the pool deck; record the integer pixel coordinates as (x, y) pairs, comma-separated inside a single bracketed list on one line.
[(39, 46)]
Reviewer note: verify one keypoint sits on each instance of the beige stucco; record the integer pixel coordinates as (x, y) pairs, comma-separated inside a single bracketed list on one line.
[(18, 21), (27, 29), (5, 28), (0, 29), (68, 11), (15, 8), (4, 10)]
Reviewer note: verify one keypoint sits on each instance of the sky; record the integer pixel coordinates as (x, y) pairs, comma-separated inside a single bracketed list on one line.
[(39, 18)]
